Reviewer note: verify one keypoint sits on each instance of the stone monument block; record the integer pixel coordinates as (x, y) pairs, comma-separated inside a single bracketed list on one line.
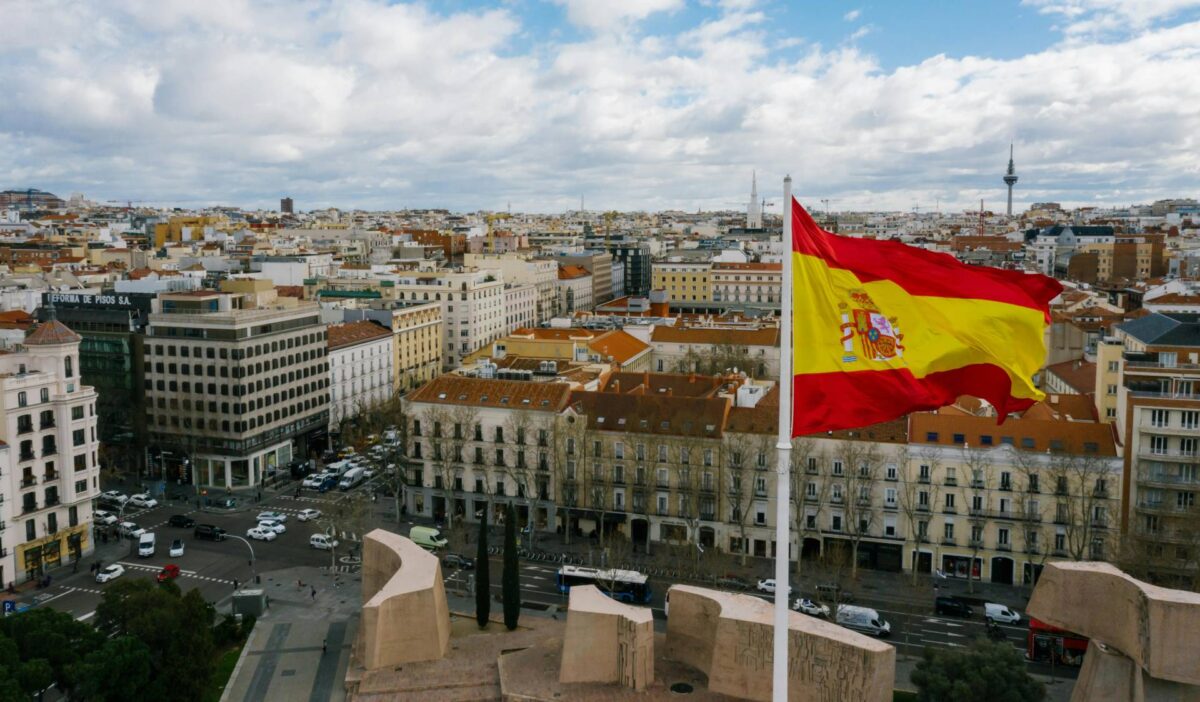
[(1156, 628), (729, 638), (404, 617), (607, 641)]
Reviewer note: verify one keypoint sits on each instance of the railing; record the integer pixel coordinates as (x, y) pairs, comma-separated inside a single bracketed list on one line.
[(975, 543), (27, 456), (924, 479), (1059, 552), (951, 482), (949, 542), (51, 475), (1101, 493), (51, 501), (1175, 453), (1155, 477), (49, 450), (1100, 523), (1003, 547), (48, 425), (24, 428), (890, 505), (29, 480), (977, 484), (1033, 550), (28, 507), (949, 510)]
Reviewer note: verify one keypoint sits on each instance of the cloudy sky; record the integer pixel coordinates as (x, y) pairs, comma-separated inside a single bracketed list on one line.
[(635, 104)]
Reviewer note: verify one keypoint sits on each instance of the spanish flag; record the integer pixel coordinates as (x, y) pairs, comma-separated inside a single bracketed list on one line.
[(881, 329)]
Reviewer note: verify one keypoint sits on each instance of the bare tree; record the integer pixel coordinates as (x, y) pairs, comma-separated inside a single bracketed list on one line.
[(746, 459), (569, 449), (916, 495), (437, 451), (519, 430), (861, 465), (811, 487), (1081, 494), (979, 476), (347, 516)]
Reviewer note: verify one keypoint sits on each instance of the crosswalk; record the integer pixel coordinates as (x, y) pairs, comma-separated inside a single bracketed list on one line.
[(340, 569), (183, 573)]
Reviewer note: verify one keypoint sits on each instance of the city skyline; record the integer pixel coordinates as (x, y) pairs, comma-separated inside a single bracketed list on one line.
[(654, 105)]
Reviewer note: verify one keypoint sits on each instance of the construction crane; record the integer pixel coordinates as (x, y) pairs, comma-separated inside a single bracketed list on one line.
[(492, 218)]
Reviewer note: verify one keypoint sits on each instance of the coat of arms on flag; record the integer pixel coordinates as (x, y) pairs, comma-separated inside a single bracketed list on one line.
[(879, 336)]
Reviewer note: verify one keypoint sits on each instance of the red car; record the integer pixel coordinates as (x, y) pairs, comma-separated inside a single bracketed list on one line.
[(169, 572)]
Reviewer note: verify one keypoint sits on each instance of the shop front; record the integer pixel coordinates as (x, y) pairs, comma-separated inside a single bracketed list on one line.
[(962, 567), (50, 552)]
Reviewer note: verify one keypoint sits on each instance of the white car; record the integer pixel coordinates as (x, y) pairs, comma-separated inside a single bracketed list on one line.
[(813, 609), (176, 548), (313, 481), (114, 496), (768, 586), (110, 573), (260, 534), (143, 500), (368, 473), (130, 530), (271, 516), (272, 525), (309, 515), (106, 518)]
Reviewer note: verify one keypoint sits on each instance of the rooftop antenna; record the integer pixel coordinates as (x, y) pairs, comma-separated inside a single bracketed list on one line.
[(980, 216)]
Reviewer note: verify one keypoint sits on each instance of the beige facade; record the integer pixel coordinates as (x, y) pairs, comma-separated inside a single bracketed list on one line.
[(232, 380), (748, 283), (522, 268), (417, 338), (472, 302), (684, 282)]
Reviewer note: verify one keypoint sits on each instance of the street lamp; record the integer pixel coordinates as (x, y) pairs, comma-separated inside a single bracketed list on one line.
[(253, 573)]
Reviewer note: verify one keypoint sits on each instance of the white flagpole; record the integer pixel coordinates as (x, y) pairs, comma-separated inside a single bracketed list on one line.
[(783, 448)]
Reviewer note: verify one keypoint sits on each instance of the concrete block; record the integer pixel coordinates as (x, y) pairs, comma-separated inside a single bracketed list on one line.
[(607, 641)]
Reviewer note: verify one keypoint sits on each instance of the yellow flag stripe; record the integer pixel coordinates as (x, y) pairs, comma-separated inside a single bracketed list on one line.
[(939, 333)]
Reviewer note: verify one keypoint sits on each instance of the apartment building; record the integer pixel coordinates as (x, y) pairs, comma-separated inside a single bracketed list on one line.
[(236, 383), (684, 281), (1158, 417), (574, 289), (48, 454), (522, 269), (615, 347), (361, 357), (599, 265), (475, 443), (417, 338), (472, 303), (521, 305), (682, 349), (758, 284)]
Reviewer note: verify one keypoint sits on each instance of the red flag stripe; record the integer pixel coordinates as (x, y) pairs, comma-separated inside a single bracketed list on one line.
[(868, 397), (918, 271)]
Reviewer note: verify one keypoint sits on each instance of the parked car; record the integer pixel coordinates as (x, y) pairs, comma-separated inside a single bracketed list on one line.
[(308, 515), (313, 481), (454, 560), (209, 532), (954, 606), (273, 516), (130, 530), (111, 572), (768, 586), (147, 543), (813, 609), (176, 550), (323, 542), (114, 496), (1000, 614), (169, 572), (272, 525), (181, 520), (104, 518), (260, 534), (732, 582), (143, 500)]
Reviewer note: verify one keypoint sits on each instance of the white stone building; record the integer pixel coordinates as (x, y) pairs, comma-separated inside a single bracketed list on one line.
[(48, 470), (361, 365), (520, 306), (472, 306)]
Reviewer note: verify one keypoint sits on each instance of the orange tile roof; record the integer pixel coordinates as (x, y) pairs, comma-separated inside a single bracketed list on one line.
[(1026, 434), (50, 333), (621, 346), (674, 384), (653, 414), (460, 390), (767, 336), (1080, 375), (569, 272), (290, 290), (352, 333)]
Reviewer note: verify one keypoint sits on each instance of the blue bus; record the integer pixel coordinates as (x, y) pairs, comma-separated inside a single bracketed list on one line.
[(621, 585)]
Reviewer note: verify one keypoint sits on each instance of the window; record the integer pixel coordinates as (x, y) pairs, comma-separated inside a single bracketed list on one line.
[(931, 437), (949, 502), (618, 450), (1112, 390), (889, 497), (1190, 419), (1114, 366), (1159, 418), (22, 401), (891, 471), (1002, 537), (948, 531), (924, 473), (77, 412), (69, 367), (837, 467), (1158, 445)]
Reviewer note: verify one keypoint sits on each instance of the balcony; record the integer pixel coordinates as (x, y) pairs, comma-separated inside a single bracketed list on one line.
[(28, 481), (28, 507), (47, 425), (924, 479), (1099, 522), (1006, 487), (24, 428), (1033, 550), (1003, 547), (665, 484), (863, 502), (923, 509), (1101, 493), (708, 516), (975, 543), (951, 482), (1059, 553), (51, 475), (27, 456), (1173, 455), (51, 501), (49, 450), (949, 542), (978, 484), (810, 498), (1146, 475), (890, 505)]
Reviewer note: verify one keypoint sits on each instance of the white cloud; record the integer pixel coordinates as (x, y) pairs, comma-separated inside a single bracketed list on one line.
[(851, 15), (1086, 18), (365, 103), (603, 15)]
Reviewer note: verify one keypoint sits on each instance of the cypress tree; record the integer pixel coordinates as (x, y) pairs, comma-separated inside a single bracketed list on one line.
[(483, 579), (510, 580)]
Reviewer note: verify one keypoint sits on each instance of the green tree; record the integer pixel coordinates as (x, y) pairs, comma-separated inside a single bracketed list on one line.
[(985, 672), (118, 671), (53, 637), (510, 580), (483, 578), (178, 631)]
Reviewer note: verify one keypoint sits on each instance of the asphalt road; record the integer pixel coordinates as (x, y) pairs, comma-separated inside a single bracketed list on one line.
[(213, 566)]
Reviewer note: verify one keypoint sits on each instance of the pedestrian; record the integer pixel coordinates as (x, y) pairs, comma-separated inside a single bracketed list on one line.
[(260, 496), (324, 646), (314, 593), (235, 584)]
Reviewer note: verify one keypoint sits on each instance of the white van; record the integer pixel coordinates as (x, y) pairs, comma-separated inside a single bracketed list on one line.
[(864, 620), (1000, 614), (146, 545), (323, 542)]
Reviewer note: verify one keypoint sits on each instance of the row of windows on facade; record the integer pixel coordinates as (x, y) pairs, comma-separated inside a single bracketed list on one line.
[(321, 382), (79, 437), (1188, 419), (46, 417), (1027, 442), (51, 523), (211, 424), (1186, 446), (359, 370), (238, 354), (44, 394), (236, 407), (238, 371)]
